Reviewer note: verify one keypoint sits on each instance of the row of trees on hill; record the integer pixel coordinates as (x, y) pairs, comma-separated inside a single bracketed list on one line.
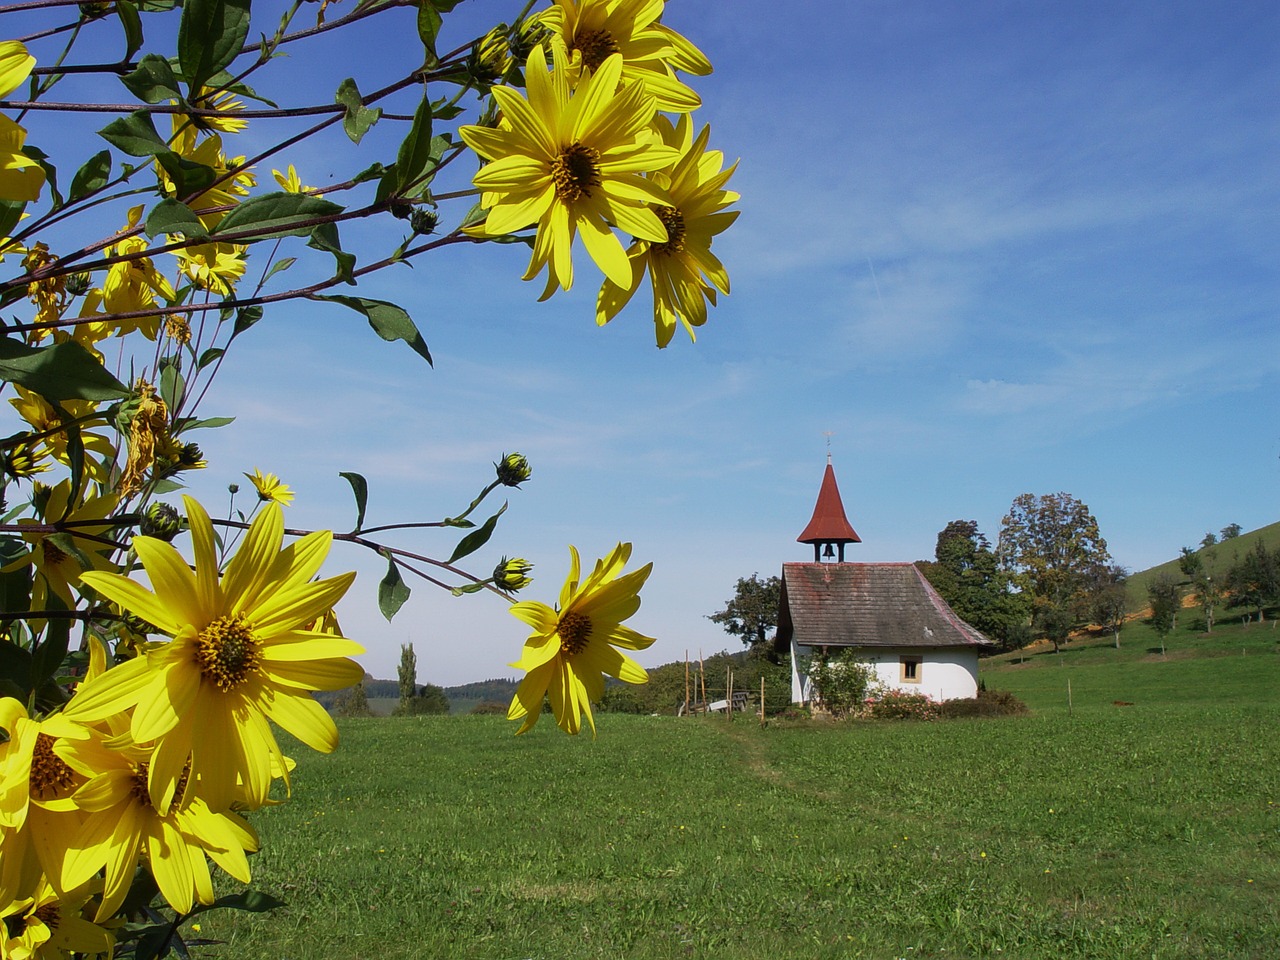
[(1049, 574)]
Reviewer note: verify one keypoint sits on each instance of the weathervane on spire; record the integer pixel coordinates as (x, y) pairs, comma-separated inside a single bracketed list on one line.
[(828, 434)]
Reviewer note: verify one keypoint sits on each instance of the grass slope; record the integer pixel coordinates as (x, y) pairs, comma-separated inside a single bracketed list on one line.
[(1144, 831), (1218, 558)]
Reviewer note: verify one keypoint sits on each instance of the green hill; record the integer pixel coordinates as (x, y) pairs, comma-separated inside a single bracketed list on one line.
[(1217, 558)]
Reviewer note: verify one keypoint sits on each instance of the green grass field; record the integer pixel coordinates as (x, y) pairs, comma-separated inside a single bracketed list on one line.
[(1103, 831)]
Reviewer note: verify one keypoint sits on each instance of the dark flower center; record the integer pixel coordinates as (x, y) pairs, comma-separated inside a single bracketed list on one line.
[(596, 46), (49, 915), (142, 793), (227, 651), (50, 776), (575, 172), (575, 630), (673, 220)]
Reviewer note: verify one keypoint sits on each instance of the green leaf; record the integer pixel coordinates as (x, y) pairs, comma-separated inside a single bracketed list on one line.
[(188, 177), (325, 238), (10, 214), (254, 901), (172, 385), (63, 371), (50, 173), (15, 585), (171, 217), (246, 317), (429, 23), (358, 118), (469, 588), (134, 135), (183, 424), (92, 176), (477, 538), (15, 667), (132, 24), (359, 487), (209, 356), (210, 35), (284, 263), (392, 590), (416, 148), (52, 650), (389, 321), (153, 81), (276, 215)]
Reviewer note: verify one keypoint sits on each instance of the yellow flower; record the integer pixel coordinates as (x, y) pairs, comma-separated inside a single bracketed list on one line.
[(15, 66), (242, 653), (49, 294), (683, 271), (47, 925), (572, 647), (123, 825), (270, 488), (131, 286), (227, 106), (60, 558), (38, 816), (594, 29), (570, 164), (48, 422), (290, 182), (20, 177), (213, 266), (207, 151)]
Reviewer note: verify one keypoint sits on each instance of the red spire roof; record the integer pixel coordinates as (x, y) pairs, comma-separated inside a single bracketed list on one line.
[(829, 524)]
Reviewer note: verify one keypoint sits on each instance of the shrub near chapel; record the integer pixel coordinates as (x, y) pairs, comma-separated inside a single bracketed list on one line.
[(140, 720)]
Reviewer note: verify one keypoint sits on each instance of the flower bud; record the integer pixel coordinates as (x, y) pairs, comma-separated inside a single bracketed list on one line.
[(491, 56), (161, 521), (513, 470), (512, 575), (78, 284), (424, 222), (22, 457)]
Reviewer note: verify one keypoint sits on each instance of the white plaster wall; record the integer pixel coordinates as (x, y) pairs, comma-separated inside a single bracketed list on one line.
[(945, 674)]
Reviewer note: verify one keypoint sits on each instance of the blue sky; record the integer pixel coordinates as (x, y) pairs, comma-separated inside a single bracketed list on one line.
[(990, 248)]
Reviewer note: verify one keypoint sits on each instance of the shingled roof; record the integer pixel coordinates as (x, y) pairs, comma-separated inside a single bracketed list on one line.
[(867, 605)]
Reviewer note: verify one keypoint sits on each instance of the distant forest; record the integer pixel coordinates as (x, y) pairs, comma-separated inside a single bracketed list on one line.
[(481, 690)]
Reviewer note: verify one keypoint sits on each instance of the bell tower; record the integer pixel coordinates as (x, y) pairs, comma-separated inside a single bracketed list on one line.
[(829, 529)]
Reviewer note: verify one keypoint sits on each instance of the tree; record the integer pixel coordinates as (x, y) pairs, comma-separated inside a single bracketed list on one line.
[(1107, 595), (431, 699), (408, 674), (966, 574), (1231, 531), (1050, 543), (1165, 599), (353, 702), (1209, 593), (1209, 539), (1190, 563), (752, 612), (1254, 581)]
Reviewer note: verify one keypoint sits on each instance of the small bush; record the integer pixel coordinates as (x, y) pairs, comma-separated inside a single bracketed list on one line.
[(898, 705), (988, 703), (487, 708)]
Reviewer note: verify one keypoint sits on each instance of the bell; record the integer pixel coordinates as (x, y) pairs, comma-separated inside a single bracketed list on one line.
[(828, 552)]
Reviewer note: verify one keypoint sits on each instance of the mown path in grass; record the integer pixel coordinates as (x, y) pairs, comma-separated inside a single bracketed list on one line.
[(1151, 832)]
